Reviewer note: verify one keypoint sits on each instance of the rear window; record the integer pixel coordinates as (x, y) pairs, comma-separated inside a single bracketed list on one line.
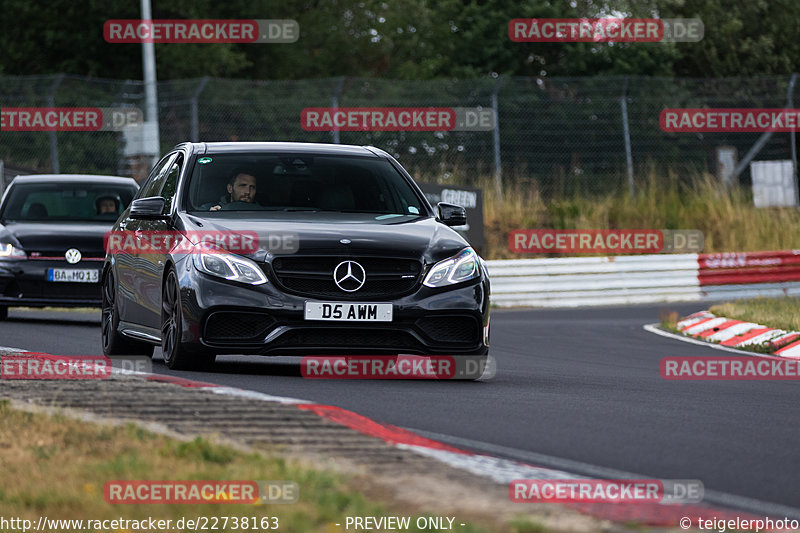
[(286, 182), (67, 201)]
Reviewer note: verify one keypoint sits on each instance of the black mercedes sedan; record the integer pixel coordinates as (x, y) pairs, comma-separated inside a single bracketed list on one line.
[(52, 229), (289, 249)]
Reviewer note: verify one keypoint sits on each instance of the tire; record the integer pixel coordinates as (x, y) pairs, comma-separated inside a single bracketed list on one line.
[(3, 312), (176, 357), (114, 343)]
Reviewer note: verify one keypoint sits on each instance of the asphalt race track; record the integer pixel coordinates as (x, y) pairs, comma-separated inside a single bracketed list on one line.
[(576, 385)]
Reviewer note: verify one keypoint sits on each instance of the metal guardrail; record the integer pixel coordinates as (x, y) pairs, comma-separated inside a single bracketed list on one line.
[(749, 274), (621, 280)]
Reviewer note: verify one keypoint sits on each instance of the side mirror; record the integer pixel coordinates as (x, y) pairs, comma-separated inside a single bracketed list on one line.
[(151, 208), (451, 215)]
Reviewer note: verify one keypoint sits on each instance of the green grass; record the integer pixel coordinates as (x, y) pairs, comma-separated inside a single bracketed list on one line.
[(57, 467), (783, 313), (525, 525)]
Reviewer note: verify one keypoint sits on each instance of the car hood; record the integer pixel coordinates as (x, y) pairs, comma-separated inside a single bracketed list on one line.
[(49, 238), (418, 238)]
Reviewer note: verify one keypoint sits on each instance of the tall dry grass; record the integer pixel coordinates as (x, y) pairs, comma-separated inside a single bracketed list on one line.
[(726, 217)]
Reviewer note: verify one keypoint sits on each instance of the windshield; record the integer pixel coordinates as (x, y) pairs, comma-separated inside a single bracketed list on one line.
[(286, 182), (77, 202)]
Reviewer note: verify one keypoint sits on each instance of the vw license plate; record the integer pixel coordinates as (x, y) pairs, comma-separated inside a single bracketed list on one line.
[(71, 275), (348, 312)]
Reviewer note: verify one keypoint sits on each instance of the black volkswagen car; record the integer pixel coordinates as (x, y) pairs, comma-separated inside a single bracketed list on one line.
[(51, 237), (289, 249)]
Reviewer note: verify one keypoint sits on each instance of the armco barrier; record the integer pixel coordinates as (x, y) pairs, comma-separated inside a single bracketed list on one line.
[(615, 280)]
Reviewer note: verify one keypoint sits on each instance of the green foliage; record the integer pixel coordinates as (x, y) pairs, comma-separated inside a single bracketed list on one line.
[(201, 450), (412, 39)]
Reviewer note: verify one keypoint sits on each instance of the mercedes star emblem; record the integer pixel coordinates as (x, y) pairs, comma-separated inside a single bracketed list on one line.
[(72, 256), (349, 276)]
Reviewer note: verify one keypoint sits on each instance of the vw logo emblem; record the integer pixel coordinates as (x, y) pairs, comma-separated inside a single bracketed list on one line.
[(72, 256), (349, 276)]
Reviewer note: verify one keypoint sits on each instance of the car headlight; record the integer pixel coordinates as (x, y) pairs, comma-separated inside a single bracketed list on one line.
[(459, 268), (226, 265), (8, 251)]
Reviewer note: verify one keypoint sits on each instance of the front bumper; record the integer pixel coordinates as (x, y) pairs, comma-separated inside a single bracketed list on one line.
[(23, 282), (227, 317)]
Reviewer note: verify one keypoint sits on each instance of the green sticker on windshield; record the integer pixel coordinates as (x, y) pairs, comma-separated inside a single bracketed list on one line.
[(204, 160)]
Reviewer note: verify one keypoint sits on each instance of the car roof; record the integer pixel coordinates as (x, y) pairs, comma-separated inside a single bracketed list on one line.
[(74, 178), (293, 147)]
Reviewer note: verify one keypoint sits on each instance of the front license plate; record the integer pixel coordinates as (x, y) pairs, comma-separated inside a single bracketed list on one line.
[(71, 275), (348, 312)]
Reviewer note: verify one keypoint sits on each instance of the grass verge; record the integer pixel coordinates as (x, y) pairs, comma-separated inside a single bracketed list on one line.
[(782, 313), (56, 466), (727, 217)]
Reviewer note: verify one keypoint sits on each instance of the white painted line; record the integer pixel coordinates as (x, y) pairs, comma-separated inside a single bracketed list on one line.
[(692, 321), (653, 328), (495, 470), (228, 391), (762, 338), (793, 352), (785, 334), (10, 349), (732, 331), (253, 395), (714, 322)]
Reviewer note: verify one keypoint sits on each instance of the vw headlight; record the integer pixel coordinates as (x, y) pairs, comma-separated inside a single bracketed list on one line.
[(8, 251), (229, 266), (459, 268)]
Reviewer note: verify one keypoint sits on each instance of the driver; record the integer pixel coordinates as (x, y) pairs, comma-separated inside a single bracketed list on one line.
[(107, 204), (241, 188)]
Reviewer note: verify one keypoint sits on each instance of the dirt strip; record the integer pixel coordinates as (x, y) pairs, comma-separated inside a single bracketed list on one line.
[(409, 482)]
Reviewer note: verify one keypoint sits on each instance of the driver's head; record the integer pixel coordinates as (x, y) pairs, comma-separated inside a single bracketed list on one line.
[(242, 186), (106, 204)]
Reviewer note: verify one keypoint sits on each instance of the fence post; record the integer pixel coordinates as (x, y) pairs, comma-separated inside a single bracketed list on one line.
[(626, 131), (335, 105), (498, 169), (792, 138), (195, 136), (51, 102), (764, 139)]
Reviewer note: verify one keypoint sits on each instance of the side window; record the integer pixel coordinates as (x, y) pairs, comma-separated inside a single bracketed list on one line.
[(171, 182), (152, 187)]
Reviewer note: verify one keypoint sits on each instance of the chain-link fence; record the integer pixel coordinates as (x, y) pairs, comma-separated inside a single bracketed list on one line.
[(564, 135)]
